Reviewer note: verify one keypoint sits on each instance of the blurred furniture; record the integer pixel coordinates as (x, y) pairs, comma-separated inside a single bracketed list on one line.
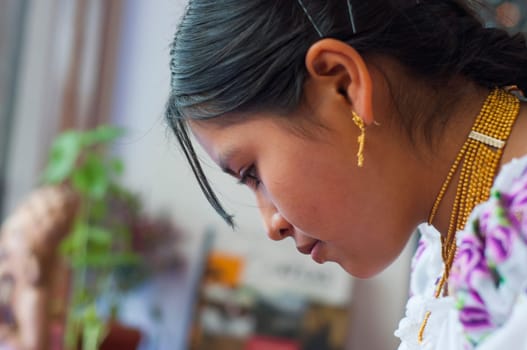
[(121, 337), (28, 256)]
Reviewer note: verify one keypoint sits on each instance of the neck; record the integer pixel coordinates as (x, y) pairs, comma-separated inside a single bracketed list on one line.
[(458, 129), (455, 134)]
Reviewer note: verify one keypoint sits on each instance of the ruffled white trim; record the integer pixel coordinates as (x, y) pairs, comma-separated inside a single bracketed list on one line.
[(443, 330), (429, 264), (443, 327)]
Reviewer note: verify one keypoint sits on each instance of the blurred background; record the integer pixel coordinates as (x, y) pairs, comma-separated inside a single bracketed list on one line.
[(145, 263)]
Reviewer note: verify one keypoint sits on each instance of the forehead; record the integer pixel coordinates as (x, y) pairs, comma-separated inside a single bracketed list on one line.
[(223, 142), (303, 124)]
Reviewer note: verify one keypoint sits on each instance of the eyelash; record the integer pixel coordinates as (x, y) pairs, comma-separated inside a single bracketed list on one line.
[(250, 178)]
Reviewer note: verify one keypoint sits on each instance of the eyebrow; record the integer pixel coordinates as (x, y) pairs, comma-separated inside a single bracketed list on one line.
[(224, 160)]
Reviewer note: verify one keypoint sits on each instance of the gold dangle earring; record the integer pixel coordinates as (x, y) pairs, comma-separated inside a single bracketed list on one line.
[(361, 139)]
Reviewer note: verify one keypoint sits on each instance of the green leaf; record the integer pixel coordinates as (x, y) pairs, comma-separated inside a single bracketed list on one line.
[(67, 246), (125, 259), (93, 329), (75, 240), (98, 210), (63, 157), (101, 135), (95, 261), (105, 260), (92, 178), (99, 236), (117, 166)]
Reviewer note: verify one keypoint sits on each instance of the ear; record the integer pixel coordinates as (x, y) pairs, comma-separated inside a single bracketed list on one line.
[(339, 64)]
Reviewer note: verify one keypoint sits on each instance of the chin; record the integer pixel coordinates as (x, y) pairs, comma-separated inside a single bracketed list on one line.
[(362, 272)]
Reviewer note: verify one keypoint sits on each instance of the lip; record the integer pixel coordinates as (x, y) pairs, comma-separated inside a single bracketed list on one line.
[(314, 250), (306, 249), (316, 253)]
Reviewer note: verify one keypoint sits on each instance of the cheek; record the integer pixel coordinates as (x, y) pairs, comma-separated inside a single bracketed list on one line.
[(332, 200), (319, 203), (309, 182)]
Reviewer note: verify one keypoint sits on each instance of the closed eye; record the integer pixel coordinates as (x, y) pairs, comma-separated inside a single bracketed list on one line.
[(250, 177)]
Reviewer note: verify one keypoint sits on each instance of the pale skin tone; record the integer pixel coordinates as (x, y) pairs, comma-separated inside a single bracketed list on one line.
[(310, 188)]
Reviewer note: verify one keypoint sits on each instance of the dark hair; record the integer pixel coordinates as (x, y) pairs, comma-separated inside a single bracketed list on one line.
[(245, 56)]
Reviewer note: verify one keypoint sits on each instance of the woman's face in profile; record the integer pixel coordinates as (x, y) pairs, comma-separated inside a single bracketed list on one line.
[(310, 188)]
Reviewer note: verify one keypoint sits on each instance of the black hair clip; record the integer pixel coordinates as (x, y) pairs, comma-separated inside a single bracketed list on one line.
[(319, 32)]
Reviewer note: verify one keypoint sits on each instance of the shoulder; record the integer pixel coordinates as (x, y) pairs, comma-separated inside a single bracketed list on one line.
[(489, 275)]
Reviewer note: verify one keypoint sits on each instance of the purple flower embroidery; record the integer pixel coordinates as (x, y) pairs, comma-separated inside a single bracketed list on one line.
[(475, 319), (469, 266), (476, 297), (499, 243), (483, 223), (469, 273), (491, 256)]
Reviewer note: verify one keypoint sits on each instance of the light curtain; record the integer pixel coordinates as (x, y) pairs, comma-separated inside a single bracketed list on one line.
[(65, 80)]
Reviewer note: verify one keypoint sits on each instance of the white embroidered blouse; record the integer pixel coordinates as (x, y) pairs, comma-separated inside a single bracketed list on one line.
[(487, 304)]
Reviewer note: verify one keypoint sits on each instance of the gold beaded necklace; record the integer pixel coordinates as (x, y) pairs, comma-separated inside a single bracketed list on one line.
[(479, 158)]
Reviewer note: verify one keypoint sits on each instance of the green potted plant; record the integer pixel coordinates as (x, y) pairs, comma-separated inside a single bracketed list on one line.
[(100, 243)]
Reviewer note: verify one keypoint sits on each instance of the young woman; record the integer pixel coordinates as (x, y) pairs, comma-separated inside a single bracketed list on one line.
[(354, 122)]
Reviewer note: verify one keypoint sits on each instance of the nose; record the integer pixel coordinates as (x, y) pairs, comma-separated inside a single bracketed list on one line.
[(278, 227)]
